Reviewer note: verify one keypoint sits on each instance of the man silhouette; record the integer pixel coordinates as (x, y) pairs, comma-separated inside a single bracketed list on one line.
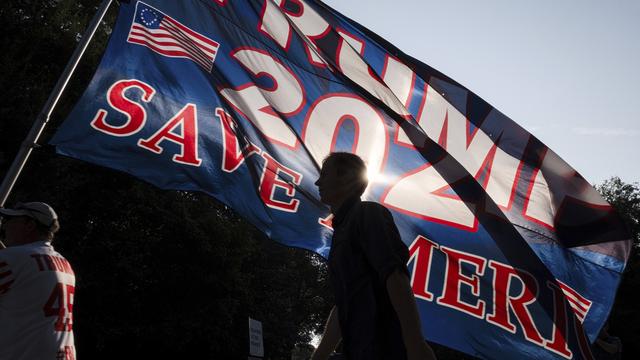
[(375, 315)]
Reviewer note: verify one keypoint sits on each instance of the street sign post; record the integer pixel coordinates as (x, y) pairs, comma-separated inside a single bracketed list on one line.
[(256, 346)]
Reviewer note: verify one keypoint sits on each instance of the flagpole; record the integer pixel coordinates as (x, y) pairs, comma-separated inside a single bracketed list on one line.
[(41, 121)]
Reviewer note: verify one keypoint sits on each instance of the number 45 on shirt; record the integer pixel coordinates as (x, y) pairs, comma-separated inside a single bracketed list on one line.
[(60, 304)]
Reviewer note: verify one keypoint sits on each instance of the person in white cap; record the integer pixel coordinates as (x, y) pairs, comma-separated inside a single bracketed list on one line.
[(37, 287)]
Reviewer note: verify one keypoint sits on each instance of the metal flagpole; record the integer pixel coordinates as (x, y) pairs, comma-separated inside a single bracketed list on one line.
[(42, 119)]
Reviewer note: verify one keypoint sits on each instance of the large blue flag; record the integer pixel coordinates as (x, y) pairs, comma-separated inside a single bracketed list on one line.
[(513, 253)]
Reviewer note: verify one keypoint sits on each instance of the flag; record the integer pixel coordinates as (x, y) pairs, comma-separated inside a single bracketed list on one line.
[(512, 253), (164, 35)]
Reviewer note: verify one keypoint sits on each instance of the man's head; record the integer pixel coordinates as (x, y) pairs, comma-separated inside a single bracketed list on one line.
[(343, 175), (29, 222)]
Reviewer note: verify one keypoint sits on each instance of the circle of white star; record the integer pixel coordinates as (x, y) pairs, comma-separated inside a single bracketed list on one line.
[(151, 15)]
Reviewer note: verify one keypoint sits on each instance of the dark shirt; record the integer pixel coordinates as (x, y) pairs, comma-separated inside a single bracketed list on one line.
[(365, 250), (599, 353)]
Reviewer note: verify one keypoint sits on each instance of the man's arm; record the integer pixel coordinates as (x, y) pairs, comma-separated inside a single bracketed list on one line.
[(330, 337), (405, 306)]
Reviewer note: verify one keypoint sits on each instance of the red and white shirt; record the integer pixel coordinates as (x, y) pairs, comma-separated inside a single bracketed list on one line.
[(37, 287)]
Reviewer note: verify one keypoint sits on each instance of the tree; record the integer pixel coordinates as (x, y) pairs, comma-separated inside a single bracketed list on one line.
[(625, 318), (625, 198)]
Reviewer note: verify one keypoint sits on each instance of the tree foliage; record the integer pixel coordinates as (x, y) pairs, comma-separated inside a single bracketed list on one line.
[(625, 318), (625, 198)]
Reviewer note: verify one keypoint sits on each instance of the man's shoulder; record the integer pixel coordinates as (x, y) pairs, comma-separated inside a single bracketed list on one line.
[(26, 250), (13, 251), (372, 207), (367, 212)]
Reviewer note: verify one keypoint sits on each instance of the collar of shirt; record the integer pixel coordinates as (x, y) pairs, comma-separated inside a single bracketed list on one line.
[(344, 209), (37, 243)]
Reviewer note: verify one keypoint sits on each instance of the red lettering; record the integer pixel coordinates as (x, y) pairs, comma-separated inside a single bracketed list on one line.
[(60, 304), (52, 263), (502, 300), (421, 253), (36, 257), (232, 156), (71, 291), (135, 114), (271, 180), (274, 24), (265, 106), (66, 353), (327, 221), (558, 342), (454, 278), (187, 120), (497, 171), (349, 59), (58, 264), (67, 267), (49, 261), (322, 125), (399, 78)]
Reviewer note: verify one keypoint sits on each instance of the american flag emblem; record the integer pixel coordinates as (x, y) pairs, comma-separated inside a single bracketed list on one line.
[(166, 36), (578, 303)]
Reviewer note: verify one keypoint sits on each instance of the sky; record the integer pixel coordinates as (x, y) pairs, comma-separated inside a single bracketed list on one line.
[(567, 71)]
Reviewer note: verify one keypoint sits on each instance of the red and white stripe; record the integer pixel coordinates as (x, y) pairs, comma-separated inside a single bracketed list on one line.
[(173, 39), (578, 303)]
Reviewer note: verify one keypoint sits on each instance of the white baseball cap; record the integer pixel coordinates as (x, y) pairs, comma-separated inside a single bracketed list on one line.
[(38, 211)]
